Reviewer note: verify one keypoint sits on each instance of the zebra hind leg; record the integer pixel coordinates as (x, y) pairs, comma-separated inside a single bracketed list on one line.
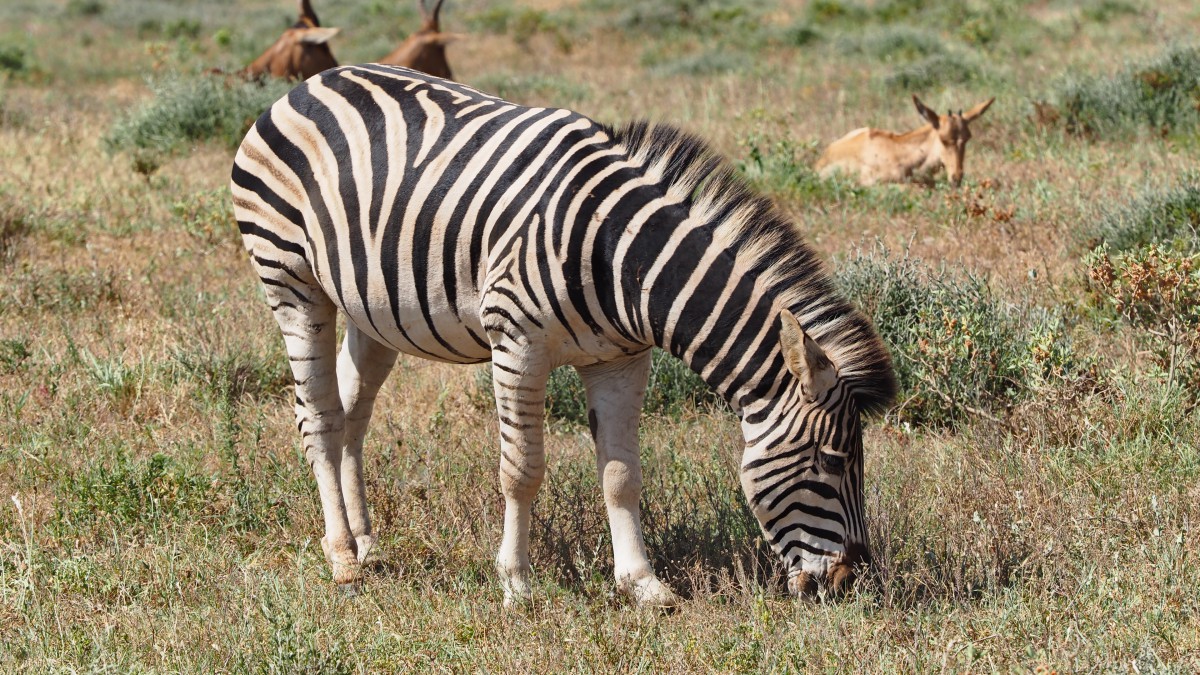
[(519, 374), (308, 320), (362, 367), (615, 391)]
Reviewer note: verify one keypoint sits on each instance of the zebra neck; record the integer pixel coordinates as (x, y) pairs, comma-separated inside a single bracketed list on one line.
[(690, 291)]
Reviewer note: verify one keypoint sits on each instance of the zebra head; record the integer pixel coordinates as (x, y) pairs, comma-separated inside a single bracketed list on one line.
[(802, 470)]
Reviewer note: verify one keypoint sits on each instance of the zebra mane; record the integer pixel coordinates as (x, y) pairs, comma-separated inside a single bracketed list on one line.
[(769, 248)]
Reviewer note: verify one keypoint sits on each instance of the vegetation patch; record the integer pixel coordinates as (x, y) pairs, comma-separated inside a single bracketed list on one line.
[(673, 389), (36, 290), (185, 111), (14, 225), (526, 89), (126, 491), (895, 42), (1167, 218), (208, 217), (1157, 290), (1161, 95), (959, 350), (934, 72), (783, 167)]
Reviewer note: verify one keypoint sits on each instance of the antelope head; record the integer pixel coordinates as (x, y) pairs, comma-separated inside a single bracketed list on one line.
[(953, 131), (301, 52), (425, 50)]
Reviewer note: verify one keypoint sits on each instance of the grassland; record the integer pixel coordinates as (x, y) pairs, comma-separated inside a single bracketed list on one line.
[(157, 514)]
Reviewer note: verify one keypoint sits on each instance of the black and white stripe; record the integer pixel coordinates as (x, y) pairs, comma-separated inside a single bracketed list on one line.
[(452, 225)]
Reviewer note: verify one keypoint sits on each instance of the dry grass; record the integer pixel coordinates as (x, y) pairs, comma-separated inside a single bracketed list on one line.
[(162, 520)]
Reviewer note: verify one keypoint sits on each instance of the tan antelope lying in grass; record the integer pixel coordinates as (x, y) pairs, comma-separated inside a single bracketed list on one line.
[(877, 156), (425, 50), (301, 52)]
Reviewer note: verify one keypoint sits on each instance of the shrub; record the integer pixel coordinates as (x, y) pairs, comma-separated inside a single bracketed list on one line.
[(14, 60), (896, 42), (85, 7), (1169, 218), (672, 390), (185, 111), (1158, 291), (1161, 95), (936, 71), (705, 63), (958, 349), (528, 88)]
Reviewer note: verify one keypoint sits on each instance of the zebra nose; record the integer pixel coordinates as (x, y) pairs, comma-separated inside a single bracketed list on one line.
[(844, 572), (838, 580)]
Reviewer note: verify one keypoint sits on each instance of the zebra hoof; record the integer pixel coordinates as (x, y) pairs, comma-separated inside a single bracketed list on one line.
[(367, 552), (651, 593)]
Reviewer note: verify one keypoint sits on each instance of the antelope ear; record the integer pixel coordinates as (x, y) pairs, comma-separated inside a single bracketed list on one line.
[(316, 36), (805, 359), (928, 113), (978, 110)]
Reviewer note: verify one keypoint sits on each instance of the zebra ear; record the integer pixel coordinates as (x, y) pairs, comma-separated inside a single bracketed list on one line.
[(805, 359)]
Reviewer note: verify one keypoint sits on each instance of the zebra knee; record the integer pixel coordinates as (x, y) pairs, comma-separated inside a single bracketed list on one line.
[(521, 479), (622, 482)]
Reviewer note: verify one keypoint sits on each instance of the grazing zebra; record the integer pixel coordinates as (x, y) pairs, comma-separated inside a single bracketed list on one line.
[(452, 225)]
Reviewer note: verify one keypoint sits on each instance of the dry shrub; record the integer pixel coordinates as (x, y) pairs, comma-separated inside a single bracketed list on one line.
[(1158, 291)]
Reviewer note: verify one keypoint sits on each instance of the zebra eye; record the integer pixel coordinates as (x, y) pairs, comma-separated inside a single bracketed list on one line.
[(833, 463)]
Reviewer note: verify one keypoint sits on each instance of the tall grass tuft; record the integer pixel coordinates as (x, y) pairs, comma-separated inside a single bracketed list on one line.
[(185, 111), (960, 351), (1161, 95)]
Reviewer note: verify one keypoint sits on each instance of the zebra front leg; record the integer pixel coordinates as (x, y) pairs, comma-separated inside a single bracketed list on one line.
[(519, 374), (362, 367), (615, 391)]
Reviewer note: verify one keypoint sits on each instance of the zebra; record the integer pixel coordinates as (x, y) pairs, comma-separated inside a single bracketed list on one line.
[(448, 224)]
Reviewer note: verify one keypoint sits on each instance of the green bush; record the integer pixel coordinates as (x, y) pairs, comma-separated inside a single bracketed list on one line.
[(958, 349), (1169, 218), (672, 390), (1161, 95), (896, 42), (188, 110), (934, 72), (14, 60), (704, 63)]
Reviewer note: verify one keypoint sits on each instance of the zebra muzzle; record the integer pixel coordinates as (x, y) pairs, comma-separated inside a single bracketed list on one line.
[(837, 581)]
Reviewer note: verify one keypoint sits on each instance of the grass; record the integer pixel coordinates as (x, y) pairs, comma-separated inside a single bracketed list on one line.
[(157, 512)]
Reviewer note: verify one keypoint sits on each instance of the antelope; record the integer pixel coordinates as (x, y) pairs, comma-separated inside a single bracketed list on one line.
[(878, 156), (425, 50), (301, 52)]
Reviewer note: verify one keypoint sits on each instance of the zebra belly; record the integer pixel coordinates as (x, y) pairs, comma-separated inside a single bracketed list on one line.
[(435, 332)]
